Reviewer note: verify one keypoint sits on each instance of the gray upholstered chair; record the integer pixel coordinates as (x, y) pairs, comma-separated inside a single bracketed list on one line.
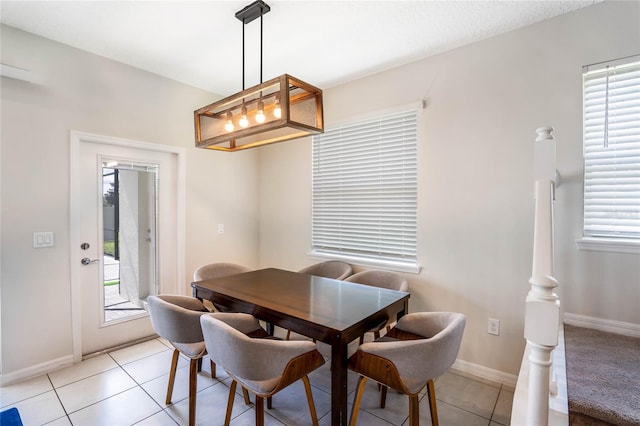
[(410, 356), (383, 279), (329, 269), (215, 270), (177, 319), (263, 366)]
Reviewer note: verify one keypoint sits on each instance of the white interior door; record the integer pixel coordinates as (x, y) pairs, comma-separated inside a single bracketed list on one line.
[(126, 211)]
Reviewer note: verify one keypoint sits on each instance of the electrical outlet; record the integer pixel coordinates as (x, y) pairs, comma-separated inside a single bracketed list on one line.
[(221, 228), (494, 327)]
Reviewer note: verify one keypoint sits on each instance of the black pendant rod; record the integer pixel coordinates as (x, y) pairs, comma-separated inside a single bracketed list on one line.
[(256, 9), (243, 55), (261, 49)]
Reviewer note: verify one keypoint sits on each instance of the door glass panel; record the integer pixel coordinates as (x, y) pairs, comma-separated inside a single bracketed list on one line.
[(129, 195)]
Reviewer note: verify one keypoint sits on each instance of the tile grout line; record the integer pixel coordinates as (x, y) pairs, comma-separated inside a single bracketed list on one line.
[(104, 399), (493, 411), (98, 402), (59, 400), (24, 398), (84, 378), (465, 410), (139, 385)]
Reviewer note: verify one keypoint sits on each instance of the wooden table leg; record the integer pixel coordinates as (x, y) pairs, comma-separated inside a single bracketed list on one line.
[(339, 415)]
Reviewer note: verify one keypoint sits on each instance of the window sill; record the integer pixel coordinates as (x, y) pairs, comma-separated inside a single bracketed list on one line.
[(391, 266), (611, 245)]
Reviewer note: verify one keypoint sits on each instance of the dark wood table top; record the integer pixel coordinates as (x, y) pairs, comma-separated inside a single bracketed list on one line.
[(285, 297)]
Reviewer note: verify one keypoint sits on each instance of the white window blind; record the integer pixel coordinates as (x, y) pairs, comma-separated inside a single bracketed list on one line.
[(365, 191), (612, 149)]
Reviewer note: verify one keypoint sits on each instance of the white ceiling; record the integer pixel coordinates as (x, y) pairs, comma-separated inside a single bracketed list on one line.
[(325, 43)]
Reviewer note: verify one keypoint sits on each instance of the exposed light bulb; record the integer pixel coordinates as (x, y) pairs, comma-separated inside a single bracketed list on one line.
[(277, 112), (244, 122), (229, 126), (260, 114)]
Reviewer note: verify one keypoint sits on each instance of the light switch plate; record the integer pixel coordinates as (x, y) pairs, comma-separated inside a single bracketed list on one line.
[(494, 327), (43, 239)]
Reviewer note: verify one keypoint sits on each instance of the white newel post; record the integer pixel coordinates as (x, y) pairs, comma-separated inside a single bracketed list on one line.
[(542, 311)]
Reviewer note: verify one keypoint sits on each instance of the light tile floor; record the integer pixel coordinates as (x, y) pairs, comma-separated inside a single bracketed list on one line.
[(128, 387)]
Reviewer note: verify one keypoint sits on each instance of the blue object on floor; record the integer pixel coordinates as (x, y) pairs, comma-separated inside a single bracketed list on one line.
[(10, 417)]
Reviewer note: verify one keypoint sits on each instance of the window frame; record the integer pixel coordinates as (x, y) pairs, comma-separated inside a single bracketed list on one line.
[(339, 253), (602, 240)]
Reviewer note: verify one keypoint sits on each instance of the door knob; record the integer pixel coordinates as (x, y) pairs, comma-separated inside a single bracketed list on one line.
[(87, 261)]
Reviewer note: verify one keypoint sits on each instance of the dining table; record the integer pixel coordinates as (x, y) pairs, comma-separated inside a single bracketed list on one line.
[(330, 311)]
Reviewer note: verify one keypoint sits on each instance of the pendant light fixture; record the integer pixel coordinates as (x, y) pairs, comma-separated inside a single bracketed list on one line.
[(276, 110)]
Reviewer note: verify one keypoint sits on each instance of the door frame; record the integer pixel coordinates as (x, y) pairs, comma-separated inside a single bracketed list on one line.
[(76, 139)]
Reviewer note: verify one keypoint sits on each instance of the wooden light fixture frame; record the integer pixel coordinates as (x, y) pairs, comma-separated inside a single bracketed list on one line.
[(300, 104)]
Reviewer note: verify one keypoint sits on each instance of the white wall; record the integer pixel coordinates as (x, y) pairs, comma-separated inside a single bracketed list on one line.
[(475, 206), (88, 93), (476, 136)]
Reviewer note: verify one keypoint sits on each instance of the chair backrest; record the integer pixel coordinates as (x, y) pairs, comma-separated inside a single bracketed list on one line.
[(244, 357), (215, 270), (176, 318), (420, 360), (329, 269), (383, 279)]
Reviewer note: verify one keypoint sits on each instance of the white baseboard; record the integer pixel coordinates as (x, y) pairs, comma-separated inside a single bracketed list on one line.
[(36, 370), (611, 326), (486, 373)]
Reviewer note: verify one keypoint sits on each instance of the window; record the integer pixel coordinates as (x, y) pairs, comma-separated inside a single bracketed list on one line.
[(612, 151), (365, 192)]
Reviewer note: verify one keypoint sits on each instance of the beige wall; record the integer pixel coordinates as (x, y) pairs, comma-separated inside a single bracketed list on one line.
[(476, 136), (91, 94), (475, 204)]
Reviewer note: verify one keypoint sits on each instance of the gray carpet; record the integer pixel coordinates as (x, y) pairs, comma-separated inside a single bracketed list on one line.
[(603, 377)]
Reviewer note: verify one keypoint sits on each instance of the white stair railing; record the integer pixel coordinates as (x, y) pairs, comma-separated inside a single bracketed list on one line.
[(542, 306)]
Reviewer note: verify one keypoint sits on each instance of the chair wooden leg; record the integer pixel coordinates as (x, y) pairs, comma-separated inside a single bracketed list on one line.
[(433, 409), (213, 369), (193, 390), (414, 410), (232, 394), (288, 335), (259, 407), (270, 402), (245, 393), (172, 376), (383, 396), (356, 400), (312, 406)]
